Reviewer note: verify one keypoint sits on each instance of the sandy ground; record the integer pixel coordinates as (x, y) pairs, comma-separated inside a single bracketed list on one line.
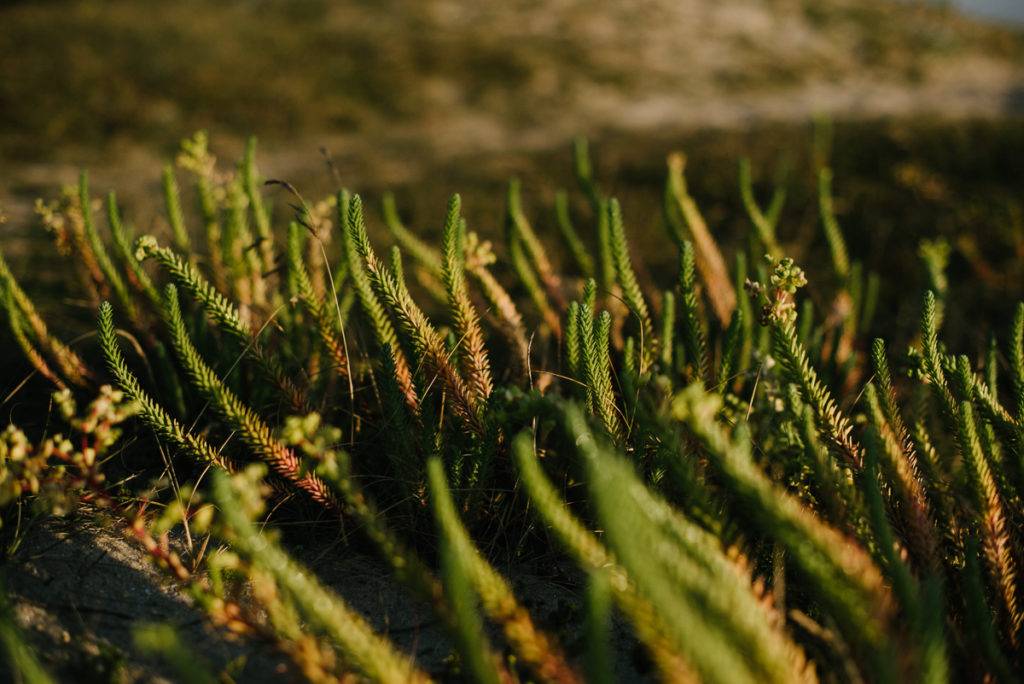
[(80, 588)]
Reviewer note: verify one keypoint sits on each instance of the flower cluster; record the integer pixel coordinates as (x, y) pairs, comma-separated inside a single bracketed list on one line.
[(777, 299), (310, 434), (59, 469), (479, 253), (195, 155)]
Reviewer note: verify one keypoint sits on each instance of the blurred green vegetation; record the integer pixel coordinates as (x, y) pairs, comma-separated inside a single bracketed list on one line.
[(84, 72), (81, 73)]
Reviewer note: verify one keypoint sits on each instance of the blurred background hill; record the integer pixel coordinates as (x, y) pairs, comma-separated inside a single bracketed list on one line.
[(98, 82)]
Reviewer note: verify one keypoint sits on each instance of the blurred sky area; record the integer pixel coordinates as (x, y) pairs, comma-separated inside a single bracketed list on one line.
[(998, 10)]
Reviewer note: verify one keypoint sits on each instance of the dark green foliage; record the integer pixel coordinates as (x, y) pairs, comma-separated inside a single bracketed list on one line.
[(759, 495)]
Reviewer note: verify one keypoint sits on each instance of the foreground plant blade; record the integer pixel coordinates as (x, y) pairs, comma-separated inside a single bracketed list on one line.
[(162, 641), (22, 664), (589, 552), (223, 312), (20, 306), (154, 415), (536, 649), (371, 653), (254, 431), (847, 582), (722, 628)]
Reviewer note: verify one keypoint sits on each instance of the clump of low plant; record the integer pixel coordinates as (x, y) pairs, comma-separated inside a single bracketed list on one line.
[(759, 491)]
